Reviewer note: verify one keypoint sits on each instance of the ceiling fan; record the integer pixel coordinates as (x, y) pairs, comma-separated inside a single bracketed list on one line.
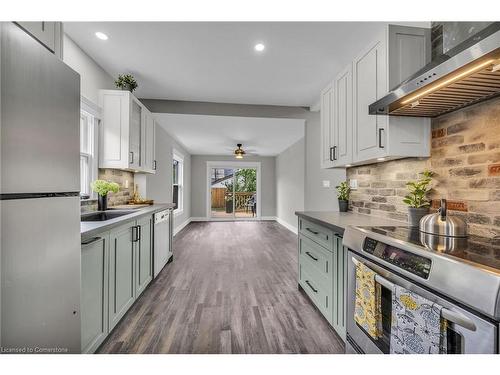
[(239, 152)]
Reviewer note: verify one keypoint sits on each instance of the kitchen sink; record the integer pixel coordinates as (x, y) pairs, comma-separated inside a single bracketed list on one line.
[(104, 215)]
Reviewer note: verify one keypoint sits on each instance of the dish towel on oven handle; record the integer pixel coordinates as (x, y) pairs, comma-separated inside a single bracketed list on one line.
[(367, 311), (417, 326)]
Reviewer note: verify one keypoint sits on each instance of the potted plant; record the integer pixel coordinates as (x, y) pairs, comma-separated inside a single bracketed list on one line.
[(126, 82), (416, 199), (343, 192), (229, 203), (102, 188)]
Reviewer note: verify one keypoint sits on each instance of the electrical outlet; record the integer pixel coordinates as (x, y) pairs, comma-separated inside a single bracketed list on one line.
[(326, 183), (353, 184), (126, 184)]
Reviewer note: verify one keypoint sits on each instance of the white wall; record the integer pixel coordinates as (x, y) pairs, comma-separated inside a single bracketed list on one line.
[(92, 77), (290, 184), (159, 185), (316, 197), (199, 183)]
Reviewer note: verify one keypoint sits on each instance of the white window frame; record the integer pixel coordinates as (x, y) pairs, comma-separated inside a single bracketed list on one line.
[(233, 164), (179, 157), (93, 111)]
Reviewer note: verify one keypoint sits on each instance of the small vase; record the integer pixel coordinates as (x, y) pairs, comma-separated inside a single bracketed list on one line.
[(102, 202), (343, 205), (415, 214)]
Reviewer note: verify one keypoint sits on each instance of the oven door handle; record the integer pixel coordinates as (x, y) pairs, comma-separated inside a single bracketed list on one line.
[(449, 315)]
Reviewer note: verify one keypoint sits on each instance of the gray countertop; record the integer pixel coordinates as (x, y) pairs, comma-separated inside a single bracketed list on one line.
[(89, 228), (338, 221)]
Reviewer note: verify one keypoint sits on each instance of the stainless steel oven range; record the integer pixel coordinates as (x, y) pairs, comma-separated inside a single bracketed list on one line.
[(464, 279)]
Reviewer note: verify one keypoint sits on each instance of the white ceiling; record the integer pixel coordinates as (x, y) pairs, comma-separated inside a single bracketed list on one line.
[(218, 135), (216, 62)]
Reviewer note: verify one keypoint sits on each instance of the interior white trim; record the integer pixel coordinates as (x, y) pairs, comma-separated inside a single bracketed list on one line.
[(181, 226), (291, 228), (90, 107), (233, 164)]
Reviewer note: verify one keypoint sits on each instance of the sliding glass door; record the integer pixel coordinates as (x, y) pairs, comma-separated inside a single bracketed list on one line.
[(233, 193)]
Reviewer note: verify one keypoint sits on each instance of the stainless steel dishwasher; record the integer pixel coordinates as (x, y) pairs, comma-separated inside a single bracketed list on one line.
[(162, 240)]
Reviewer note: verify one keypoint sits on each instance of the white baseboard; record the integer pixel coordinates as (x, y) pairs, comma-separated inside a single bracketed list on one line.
[(201, 218), (291, 228), (181, 226)]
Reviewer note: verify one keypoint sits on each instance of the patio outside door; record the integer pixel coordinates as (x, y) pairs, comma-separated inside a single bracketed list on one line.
[(233, 193)]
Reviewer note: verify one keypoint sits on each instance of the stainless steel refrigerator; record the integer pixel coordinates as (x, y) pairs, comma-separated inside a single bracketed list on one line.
[(40, 208)]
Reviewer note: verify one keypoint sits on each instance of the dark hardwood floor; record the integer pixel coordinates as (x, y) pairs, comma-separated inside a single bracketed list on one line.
[(232, 288)]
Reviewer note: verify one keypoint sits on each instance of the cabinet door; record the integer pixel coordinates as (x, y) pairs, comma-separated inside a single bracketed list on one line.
[(114, 130), (94, 293), (339, 287), (136, 119), (44, 32), (144, 255), (148, 143), (370, 84), (327, 142), (342, 125), (121, 273)]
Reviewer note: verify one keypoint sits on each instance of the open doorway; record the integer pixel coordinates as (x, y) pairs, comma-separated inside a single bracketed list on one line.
[(233, 191)]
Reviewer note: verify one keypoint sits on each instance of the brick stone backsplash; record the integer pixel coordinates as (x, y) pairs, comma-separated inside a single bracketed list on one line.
[(465, 157), (118, 176)]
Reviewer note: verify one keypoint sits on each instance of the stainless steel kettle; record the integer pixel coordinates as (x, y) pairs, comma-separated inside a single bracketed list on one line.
[(443, 225)]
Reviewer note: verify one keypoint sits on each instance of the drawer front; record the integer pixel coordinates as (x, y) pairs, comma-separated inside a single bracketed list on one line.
[(320, 294), (318, 259), (317, 233)]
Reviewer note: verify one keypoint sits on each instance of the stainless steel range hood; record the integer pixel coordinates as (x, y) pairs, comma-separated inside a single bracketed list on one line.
[(467, 74)]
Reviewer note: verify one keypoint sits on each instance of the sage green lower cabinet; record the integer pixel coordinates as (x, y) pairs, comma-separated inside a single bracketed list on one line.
[(144, 250), (94, 292), (322, 272), (121, 272), (339, 288), (117, 266)]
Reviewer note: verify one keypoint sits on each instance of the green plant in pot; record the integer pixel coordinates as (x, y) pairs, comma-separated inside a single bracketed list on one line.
[(102, 188), (343, 193), (416, 199), (126, 82)]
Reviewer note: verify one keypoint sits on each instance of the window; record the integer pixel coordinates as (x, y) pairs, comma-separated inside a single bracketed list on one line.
[(177, 182), (88, 148)]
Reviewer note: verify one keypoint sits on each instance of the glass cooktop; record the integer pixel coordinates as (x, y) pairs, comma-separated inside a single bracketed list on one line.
[(480, 250)]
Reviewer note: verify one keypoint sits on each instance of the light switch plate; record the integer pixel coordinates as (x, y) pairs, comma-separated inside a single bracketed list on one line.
[(326, 183), (353, 184)]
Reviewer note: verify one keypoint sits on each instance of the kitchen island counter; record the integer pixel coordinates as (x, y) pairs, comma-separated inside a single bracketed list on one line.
[(339, 221)]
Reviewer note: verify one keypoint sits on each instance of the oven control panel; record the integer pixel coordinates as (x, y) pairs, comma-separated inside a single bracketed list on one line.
[(413, 263)]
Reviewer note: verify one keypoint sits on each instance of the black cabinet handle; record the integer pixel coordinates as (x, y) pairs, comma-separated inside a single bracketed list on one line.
[(331, 156), (139, 231), (310, 286), (135, 233), (380, 138), (310, 256), (312, 231), (154, 165), (131, 160), (334, 152)]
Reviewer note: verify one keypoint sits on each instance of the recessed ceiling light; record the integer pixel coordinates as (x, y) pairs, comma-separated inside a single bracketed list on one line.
[(259, 47), (101, 36)]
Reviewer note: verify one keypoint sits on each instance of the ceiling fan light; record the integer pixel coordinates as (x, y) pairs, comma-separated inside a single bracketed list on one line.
[(239, 156)]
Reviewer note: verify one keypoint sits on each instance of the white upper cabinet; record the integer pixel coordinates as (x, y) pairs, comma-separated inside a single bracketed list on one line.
[(126, 133), (342, 118), (353, 136), (327, 146)]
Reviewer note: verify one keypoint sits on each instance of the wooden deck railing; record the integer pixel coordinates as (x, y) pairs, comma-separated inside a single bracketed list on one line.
[(219, 196)]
